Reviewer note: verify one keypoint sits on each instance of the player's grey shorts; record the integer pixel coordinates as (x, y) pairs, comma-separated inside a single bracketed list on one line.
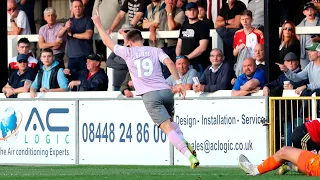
[(159, 104)]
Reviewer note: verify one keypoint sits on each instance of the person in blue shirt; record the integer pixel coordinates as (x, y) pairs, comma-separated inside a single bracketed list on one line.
[(250, 81), (50, 77)]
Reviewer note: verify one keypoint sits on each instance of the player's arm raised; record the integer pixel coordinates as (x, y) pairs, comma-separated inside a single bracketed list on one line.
[(103, 34)]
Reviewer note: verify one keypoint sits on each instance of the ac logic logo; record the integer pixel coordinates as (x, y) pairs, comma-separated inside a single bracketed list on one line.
[(60, 132), (10, 122)]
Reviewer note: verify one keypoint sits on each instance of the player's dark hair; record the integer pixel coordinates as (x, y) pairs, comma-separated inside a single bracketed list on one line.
[(24, 40), (134, 35), (246, 13), (48, 50)]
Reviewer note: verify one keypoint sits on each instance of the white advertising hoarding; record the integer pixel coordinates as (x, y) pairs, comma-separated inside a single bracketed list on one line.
[(37, 132), (120, 132), (220, 130)]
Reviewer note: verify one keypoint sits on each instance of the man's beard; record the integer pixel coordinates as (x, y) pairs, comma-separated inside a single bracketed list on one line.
[(195, 18), (250, 75)]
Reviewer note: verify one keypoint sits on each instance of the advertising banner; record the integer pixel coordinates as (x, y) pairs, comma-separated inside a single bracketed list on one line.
[(37, 132), (220, 130), (120, 132)]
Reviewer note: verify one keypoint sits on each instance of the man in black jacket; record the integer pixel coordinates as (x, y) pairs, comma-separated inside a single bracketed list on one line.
[(93, 79)]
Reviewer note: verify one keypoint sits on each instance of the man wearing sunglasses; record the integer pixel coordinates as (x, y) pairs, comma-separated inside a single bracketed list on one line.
[(21, 79), (23, 47), (17, 20)]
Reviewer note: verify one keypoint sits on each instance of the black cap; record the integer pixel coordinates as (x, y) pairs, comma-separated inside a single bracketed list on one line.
[(191, 5), (309, 5), (95, 57)]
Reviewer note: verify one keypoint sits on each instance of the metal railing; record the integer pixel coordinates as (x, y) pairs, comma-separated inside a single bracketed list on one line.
[(287, 113)]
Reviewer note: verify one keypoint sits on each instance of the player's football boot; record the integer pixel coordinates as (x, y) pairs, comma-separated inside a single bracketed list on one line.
[(194, 162), (284, 168), (247, 166)]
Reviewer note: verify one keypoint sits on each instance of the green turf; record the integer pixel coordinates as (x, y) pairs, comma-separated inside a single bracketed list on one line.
[(131, 172)]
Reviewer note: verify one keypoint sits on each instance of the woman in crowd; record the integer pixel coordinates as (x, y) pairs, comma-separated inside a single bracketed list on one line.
[(289, 41)]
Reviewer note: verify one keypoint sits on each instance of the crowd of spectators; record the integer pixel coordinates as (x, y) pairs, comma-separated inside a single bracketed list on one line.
[(69, 61)]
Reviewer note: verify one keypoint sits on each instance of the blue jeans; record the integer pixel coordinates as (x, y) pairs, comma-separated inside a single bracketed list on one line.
[(288, 130)]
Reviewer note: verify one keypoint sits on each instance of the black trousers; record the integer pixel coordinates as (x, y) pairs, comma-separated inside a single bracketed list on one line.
[(301, 139), (171, 52)]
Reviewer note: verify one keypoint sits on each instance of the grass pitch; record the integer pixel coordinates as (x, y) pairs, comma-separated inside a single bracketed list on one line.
[(132, 172)]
